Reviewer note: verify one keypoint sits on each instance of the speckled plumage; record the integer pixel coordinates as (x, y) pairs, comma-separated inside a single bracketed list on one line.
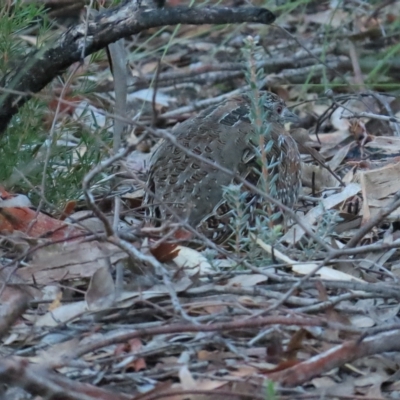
[(223, 134)]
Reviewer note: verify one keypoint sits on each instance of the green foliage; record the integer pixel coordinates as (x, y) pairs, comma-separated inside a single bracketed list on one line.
[(14, 21), (31, 152), (325, 228), (25, 133), (243, 207), (244, 230), (236, 200), (24, 157), (270, 393)]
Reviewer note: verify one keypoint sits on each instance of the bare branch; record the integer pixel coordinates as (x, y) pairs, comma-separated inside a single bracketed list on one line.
[(84, 39)]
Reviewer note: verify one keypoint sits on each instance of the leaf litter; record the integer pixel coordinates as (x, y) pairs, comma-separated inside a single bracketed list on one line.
[(314, 315)]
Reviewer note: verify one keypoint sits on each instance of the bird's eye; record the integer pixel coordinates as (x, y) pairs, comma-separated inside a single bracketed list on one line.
[(279, 109)]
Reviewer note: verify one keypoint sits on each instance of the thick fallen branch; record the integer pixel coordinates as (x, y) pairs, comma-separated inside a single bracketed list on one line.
[(40, 381), (336, 357), (43, 66)]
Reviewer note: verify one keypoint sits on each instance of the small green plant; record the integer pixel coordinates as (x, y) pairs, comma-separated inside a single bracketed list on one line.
[(326, 224), (250, 219), (245, 229), (270, 392), (236, 199)]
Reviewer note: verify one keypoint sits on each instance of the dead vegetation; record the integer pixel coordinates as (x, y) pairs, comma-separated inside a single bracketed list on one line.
[(306, 310)]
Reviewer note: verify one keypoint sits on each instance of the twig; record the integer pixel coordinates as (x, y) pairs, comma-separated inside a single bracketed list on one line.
[(376, 116), (270, 80), (90, 176), (215, 327), (127, 19), (138, 255)]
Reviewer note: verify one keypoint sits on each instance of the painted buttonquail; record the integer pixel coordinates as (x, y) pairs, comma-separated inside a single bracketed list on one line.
[(184, 187)]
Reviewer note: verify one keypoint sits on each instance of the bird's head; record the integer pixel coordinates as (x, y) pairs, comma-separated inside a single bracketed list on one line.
[(278, 108)]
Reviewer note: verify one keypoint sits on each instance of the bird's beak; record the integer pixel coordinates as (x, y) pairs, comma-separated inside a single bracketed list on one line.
[(289, 116)]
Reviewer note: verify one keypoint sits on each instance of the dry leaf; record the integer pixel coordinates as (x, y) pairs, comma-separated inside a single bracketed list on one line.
[(192, 261), (295, 233), (101, 291), (69, 261), (305, 268)]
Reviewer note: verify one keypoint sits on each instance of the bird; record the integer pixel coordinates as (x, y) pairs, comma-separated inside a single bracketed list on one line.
[(185, 187)]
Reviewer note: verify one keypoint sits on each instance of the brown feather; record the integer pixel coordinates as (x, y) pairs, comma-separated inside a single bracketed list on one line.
[(193, 190)]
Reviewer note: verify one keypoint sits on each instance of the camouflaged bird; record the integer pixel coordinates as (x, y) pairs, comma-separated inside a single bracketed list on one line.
[(180, 185)]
